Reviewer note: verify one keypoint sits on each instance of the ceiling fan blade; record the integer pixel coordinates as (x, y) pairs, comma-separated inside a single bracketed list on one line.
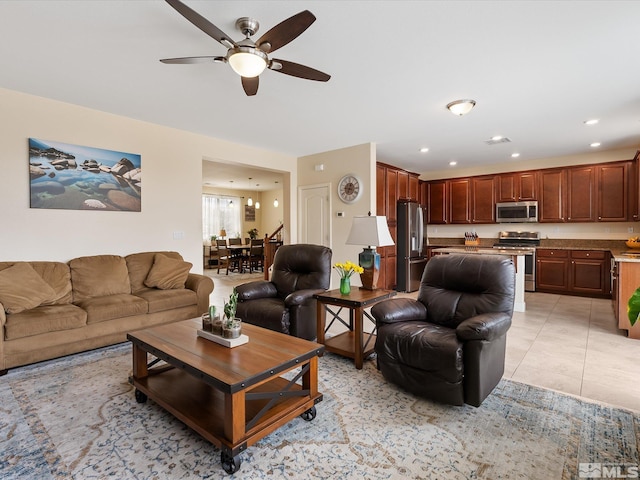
[(297, 70), (250, 85), (202, 23), (185, 60), (285, 31)]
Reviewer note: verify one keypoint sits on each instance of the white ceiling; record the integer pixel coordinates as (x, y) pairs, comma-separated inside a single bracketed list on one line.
[(537, 69)]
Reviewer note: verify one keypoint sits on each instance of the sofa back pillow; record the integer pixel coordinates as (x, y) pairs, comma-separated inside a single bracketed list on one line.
[(167, 273), (139, 266), (98, 276), (21, 288), (58, 276)]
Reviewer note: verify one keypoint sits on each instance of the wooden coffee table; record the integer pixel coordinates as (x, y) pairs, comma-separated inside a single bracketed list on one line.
[(232, 397)]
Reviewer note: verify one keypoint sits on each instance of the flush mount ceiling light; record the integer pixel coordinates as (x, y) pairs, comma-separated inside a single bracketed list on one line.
[(591, 122), (515, 155), (461, 107), (424, 150), (453, 163), (595, 144)]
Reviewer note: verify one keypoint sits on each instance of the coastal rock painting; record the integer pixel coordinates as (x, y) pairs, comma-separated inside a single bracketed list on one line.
[(73, 177)]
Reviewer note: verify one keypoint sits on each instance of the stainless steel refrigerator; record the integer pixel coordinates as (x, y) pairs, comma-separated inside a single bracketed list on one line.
[(411, 245)]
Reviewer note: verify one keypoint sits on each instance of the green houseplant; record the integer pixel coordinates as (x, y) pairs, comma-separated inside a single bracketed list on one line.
[(231, 326), (253, 233)]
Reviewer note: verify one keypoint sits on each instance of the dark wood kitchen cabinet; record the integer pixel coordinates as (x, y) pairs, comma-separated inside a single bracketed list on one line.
[(551, 192), (574, 272), (590, 273), (615, 192), (483, 199), (552, 270), (517, 187), (460, 200), (437, 196), (581, 194)]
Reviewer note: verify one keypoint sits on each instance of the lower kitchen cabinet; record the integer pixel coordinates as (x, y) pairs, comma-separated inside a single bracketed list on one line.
[(573, 272)]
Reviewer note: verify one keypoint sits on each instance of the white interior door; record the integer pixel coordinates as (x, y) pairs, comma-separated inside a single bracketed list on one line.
[(314, 207)]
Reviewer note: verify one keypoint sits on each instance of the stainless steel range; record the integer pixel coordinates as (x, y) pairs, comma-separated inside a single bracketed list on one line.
[(527, 242)]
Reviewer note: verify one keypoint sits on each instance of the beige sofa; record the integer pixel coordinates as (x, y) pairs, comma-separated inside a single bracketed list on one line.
[(50, 309)]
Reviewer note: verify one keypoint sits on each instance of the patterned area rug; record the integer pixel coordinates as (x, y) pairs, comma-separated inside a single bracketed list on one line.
[(76, 417)]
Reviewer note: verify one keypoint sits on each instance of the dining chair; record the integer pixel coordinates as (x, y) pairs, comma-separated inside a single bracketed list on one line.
[(223, 255), (256, 255)]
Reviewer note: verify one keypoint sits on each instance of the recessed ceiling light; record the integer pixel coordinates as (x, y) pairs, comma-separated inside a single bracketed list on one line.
[(595, 144), (496, 138), (515, 155), (424, 150), (591, 122), (453, 163)]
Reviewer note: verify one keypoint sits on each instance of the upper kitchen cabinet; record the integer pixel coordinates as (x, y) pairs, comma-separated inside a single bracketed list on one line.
[(517, 187), (460, 200), (483, 203), (615, 192), (436, 199), (581, 193), (634, 190), (381, 197), (551, 193), (414, 188)]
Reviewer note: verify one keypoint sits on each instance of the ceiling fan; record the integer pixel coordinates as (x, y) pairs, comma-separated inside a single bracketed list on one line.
[(246, 57)]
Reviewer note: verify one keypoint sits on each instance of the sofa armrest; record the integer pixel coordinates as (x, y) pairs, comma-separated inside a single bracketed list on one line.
[(203, 286), (301, 296), (398, 310), (255, 290), (487, 326), (3, 319)]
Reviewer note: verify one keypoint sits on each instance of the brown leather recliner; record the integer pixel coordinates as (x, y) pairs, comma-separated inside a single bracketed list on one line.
[(449, 344), (286, 303)]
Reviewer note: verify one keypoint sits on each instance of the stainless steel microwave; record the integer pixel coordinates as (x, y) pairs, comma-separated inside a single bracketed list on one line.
[(517, 212)]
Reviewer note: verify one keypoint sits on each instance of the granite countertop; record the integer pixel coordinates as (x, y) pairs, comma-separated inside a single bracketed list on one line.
[(481, 250), (619, 251)]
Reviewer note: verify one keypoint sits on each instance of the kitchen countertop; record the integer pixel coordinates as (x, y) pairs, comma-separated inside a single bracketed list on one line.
[(481, 250), (619, 251)]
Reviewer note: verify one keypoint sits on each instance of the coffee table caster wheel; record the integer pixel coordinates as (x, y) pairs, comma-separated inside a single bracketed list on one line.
[(229, 463), (309, 414), (140, 397)]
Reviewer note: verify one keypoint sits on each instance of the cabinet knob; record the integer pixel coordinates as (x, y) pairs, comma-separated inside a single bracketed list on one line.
[(599, 218)]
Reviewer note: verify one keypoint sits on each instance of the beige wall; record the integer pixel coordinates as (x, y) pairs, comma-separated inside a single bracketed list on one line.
[(359, 160), (171, 188)]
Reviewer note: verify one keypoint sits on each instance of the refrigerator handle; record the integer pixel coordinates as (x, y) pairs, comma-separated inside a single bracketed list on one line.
[(419, 214)]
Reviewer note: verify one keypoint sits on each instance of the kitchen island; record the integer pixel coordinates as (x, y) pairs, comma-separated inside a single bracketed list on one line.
[(515, 254), (625, 279)]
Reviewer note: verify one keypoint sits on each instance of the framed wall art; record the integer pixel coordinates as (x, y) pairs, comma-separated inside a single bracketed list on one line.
[(74, 177), (249, 213)]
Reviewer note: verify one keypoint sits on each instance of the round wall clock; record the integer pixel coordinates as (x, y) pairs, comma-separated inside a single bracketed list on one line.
[(349, 188)]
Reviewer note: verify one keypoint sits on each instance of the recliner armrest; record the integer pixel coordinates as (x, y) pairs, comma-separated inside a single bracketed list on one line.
[(301, 296), (398, 310), (255, 290), (487, 326)]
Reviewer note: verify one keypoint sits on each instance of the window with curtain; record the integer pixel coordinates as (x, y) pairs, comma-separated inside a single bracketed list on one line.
[(221, 212)]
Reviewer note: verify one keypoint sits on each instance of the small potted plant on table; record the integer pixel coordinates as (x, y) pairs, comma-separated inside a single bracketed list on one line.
[(231, 326)]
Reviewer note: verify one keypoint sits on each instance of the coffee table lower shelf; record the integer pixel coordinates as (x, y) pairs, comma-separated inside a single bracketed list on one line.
[(208, 411)]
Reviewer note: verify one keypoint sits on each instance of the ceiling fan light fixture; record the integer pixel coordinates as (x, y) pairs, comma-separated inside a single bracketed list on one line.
[(461, 107), (247, 62)]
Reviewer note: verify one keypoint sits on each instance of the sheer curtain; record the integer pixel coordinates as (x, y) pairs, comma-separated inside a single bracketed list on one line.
[(221, 212)]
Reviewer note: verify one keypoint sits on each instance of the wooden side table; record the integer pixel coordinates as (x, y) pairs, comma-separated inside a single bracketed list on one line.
[(354, 343)]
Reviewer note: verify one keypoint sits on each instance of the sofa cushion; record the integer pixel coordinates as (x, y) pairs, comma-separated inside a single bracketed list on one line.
[(58, 276), (162, 300), (109, 307), (98, 276), (167, 273), (21, 288), (44, 319), (139, 265)]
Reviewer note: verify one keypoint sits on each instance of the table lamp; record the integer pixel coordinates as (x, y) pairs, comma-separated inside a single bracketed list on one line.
[(223, 233), (373, 232)]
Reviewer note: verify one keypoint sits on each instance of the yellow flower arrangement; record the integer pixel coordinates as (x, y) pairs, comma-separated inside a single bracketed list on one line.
[(347, 269)]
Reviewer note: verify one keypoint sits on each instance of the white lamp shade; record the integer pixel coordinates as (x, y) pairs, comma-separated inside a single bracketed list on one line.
[(370, 230), (247, 64)]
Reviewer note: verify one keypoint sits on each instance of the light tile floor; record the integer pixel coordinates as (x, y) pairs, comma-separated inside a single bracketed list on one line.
[(569, 344)]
